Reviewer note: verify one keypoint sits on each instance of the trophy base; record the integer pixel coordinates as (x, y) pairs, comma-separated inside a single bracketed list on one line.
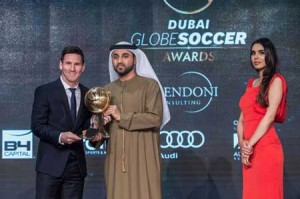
[(90, 134), (104, 133), (105, 136)]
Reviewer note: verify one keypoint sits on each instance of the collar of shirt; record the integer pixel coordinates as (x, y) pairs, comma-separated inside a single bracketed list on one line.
[(68, 93), (66, 86)]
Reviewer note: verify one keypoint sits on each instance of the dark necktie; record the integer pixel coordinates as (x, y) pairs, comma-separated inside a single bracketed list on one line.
[(73, 104)]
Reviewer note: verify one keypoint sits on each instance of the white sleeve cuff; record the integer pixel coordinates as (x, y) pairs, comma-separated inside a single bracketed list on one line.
[(59, 140)]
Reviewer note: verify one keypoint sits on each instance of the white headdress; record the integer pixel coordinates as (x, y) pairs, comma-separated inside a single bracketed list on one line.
[(143, 68)]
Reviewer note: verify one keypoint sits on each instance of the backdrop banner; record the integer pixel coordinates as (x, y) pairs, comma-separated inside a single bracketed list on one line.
[(200, 51)]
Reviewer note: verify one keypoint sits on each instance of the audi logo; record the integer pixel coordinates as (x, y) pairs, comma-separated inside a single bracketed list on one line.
[(181, 139)]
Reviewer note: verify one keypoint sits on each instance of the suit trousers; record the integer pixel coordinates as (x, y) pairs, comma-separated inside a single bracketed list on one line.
[(69, 186)]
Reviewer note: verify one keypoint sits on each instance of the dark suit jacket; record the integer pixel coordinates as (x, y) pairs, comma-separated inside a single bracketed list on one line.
[(50, 116)]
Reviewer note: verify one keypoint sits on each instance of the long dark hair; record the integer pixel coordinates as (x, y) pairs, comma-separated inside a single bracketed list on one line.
[(271, 60)]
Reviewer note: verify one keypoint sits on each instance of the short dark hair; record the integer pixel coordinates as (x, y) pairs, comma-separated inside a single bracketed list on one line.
[(72, 50)]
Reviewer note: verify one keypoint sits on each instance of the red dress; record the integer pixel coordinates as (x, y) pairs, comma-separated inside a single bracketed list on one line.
[(264, 179)]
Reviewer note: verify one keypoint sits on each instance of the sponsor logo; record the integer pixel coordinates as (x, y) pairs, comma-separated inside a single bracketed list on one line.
[(236, 146), (169, 155), (176, 5), (17, 144), (90, 150), (193, 92), (181, 139)]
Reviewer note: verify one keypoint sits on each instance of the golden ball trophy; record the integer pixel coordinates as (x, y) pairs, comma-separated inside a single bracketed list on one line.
[(97, 100)]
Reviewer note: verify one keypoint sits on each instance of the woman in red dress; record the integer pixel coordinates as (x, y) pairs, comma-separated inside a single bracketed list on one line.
[(263, 103)]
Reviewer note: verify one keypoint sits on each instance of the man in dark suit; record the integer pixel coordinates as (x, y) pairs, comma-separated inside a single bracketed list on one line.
[(59, 116)]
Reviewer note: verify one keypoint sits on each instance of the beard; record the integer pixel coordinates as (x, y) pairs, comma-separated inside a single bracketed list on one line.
[(125, 71)]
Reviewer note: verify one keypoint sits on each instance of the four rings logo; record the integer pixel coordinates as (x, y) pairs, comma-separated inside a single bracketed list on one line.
[(181, 139), (177, 6)]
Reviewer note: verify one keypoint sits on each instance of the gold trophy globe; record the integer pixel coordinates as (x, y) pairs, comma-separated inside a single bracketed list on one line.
[(97, 100)]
